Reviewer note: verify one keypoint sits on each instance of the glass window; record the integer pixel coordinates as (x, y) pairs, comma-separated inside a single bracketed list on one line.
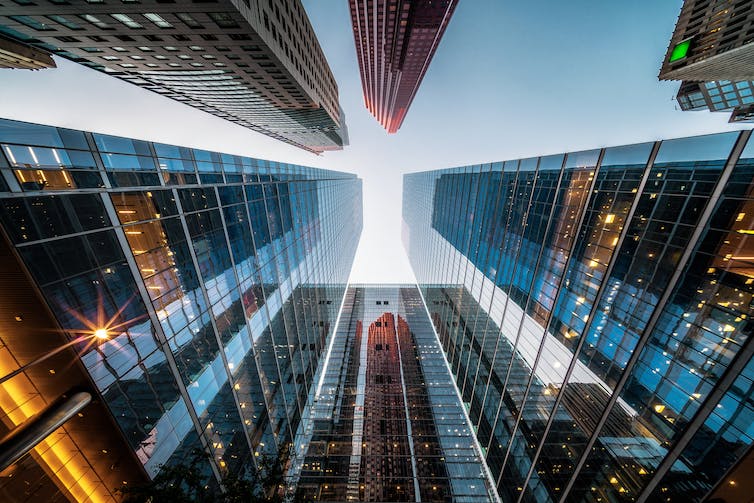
[(230, 194), (698, 148), (118, 145), (223, 19), (140, 206), (38, 217), (32, 23), (586, 158), (47, 158), (628, 155), (197, 199), (126, 20), (172, 151), (121, 162), (158, 20), (176, 165), (33, 134)]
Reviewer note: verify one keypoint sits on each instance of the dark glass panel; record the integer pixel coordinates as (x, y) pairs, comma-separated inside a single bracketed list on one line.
[(122, 179), (197, 199), (179, 178), (39, 217)]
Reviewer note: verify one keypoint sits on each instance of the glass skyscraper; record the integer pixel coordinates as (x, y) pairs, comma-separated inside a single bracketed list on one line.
[(217, 277), (386, 422), (595, 310)]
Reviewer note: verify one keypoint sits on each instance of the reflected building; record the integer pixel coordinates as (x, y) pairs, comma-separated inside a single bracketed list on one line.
[(395, 42), (218, 278), (386, 423), (594, 308), (256, 63)]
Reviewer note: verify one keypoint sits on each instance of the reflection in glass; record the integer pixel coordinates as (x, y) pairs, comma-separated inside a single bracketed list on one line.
[(588, 313)]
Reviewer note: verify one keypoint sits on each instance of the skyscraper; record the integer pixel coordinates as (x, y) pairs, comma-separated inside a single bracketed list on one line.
[(712, 41), (595, 309), (386, 422), (395, 41), (256, 63), (216, 277)]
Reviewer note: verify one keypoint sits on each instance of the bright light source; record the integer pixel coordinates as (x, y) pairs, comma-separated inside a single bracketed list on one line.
[(101, 333), (680, 51)]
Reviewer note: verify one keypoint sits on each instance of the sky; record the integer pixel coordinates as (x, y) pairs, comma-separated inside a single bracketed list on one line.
[(510, 79)]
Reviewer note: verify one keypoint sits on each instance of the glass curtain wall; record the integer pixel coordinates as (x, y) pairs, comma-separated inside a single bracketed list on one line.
[(386, 423), (594, 309), (216, 276)]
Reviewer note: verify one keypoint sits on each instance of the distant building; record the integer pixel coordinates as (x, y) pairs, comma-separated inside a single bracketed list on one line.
[(719, 96), (254, 62), (395, 42), (713, 40), (386, 422)]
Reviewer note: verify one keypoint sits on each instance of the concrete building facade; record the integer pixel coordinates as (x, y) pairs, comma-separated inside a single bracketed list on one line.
[(253, 62)]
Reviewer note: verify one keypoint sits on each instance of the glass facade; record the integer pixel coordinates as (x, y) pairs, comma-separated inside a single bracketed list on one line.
[(386, 423), (217, 278), (718, 96), (594, 308)]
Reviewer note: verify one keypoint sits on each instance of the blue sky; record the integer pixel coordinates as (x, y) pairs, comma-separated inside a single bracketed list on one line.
[(510, 79)]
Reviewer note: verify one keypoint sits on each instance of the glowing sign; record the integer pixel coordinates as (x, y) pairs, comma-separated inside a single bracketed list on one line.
[(680, 51)]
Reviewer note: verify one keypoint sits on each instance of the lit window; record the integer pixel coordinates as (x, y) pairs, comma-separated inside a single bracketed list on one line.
[(126, 20), (158, 20), (96, 21)]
